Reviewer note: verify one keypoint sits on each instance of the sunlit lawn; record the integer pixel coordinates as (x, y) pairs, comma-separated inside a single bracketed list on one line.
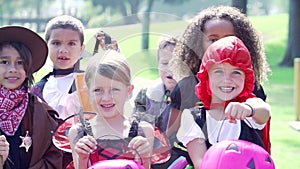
[(279, 88)]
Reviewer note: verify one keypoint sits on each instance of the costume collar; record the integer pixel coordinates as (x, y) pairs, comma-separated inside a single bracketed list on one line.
[(63, 71)]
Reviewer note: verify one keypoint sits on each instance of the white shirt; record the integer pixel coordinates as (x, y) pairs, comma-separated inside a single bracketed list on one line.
[(55, 93), (156, 92), (217, 130)]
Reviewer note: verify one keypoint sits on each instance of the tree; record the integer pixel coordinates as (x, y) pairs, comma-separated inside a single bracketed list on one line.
[(146, 25), (293, 50), (241, 4), (133, 6), (146, 20), (120, 6)]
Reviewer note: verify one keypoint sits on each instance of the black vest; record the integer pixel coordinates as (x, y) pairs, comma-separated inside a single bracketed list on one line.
[(247, 133)]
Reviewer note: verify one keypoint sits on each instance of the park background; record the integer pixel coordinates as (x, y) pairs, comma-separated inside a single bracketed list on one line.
[(270, 18)]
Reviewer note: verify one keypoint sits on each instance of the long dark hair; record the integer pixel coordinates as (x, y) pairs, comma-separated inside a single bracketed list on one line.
[(25, 55)]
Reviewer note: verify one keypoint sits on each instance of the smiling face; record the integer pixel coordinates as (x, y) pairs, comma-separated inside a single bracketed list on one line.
[(109, 96), (64, 48), (216, 29), (12, 72), (226, 82)]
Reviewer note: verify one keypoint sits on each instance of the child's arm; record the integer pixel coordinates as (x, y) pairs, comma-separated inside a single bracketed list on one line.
[(191, 135), (144, 145), (173, 122), (81, 148), (262, 110), (256, 108), (196, 149)]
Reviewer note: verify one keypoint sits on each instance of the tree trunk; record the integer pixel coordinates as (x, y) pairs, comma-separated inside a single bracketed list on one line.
[(146, 25), (241, 4), (134, 7), (293, 49), (122, 9), (38, 12)]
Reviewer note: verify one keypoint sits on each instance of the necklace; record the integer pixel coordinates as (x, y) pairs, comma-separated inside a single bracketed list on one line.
[(219, 132)]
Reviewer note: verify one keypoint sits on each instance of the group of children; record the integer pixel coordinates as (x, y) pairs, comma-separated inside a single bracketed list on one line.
[(219, 61)]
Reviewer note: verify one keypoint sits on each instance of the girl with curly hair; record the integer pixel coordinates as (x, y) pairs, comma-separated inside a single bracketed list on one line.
[(226, 86), (208, 26)]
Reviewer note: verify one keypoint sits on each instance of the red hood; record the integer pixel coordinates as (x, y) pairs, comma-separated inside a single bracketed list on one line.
[(233, 51)]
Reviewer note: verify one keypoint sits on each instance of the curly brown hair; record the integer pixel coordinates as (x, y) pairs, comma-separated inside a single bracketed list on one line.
[(188, 51)]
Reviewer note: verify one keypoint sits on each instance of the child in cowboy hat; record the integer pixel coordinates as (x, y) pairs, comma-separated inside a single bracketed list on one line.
[(25, 121)]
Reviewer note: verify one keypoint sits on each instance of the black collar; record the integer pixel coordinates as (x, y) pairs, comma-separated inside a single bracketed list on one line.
[(63, 71)]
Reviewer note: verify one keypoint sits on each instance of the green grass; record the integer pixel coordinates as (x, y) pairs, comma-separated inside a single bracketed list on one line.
[(280, 87)]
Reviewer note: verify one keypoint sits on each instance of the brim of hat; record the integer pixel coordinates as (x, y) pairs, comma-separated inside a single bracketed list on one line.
[(36, 44)]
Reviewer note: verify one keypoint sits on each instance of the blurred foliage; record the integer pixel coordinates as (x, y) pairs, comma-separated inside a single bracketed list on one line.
[(267, 7), (98, 13)]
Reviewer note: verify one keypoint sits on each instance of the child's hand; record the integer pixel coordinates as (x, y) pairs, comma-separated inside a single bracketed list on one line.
[(4, 148), (114, 45), (85, 146), (141, 145), (236, 110), (106, 41)]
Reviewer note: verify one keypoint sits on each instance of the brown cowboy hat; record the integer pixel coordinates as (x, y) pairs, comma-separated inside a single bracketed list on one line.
[(37, 46)]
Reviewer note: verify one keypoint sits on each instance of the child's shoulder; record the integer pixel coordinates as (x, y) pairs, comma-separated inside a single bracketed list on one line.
[(39, 104), (156, 91)]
